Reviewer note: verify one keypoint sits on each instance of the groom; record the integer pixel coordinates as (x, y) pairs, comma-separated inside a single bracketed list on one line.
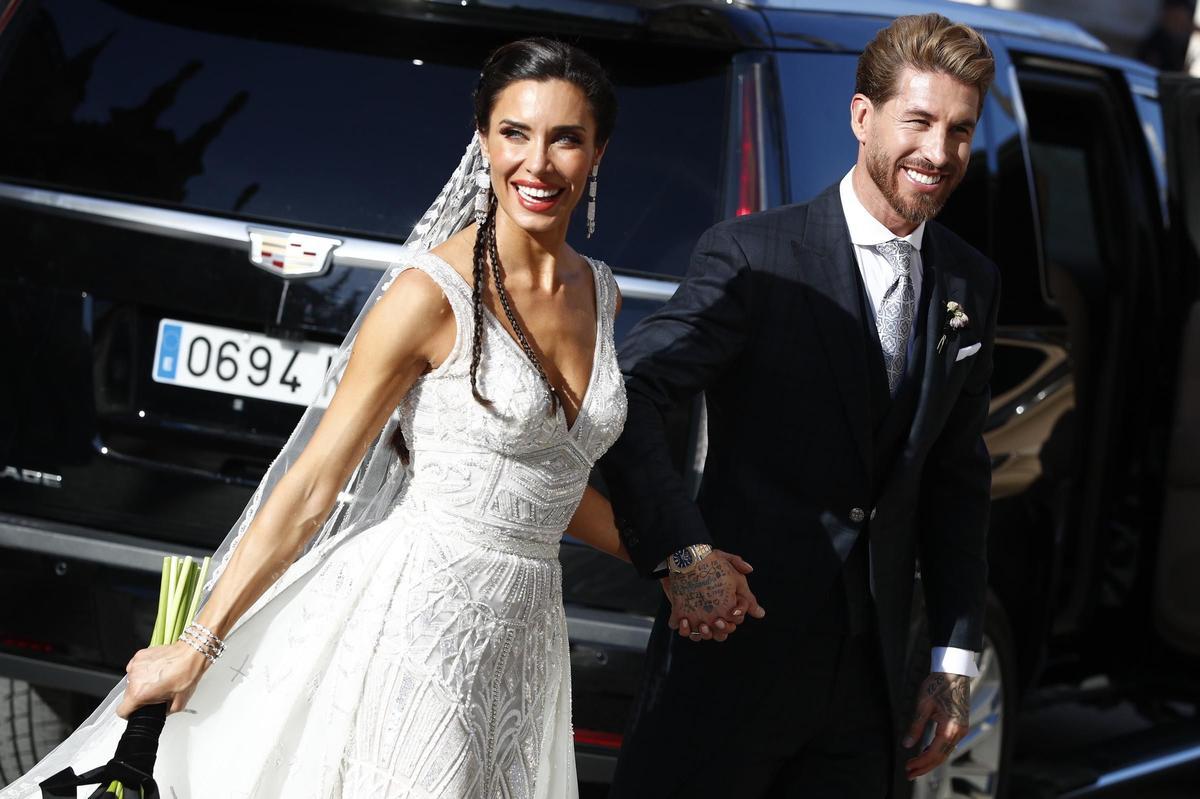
[(844, 347)]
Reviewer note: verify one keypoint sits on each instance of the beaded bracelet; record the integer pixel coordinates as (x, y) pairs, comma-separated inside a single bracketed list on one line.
[(203, 640), (211, 637), (204, 652)]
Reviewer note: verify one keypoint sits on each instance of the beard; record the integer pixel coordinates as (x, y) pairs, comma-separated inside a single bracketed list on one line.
[(916, 209)]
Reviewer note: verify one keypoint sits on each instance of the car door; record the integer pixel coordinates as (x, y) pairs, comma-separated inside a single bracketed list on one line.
[(1176, 594)]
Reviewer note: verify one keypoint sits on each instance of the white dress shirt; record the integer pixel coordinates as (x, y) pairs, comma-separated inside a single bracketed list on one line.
[(865, 232)]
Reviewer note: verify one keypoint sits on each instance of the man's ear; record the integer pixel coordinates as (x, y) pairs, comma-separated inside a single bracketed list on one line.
[(861, 109)]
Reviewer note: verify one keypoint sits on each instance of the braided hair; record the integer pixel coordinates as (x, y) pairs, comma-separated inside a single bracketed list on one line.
[(502, 295), (538, 59)]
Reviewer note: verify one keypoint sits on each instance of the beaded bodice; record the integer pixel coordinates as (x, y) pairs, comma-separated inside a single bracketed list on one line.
[(512, 469)]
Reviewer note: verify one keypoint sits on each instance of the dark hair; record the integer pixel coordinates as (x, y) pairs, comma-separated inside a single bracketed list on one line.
[(542, 59), (537, 59)]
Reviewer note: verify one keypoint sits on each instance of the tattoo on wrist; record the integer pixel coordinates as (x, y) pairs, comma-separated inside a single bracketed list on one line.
[(951, 693), (704, 588)]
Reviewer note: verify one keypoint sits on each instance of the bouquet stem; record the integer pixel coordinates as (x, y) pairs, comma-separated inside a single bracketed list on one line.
[(132, 765)]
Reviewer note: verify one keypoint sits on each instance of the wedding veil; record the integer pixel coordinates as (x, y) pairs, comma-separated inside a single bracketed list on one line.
[(368, 495)]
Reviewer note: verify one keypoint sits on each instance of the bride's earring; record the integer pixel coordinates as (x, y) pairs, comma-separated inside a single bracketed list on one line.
[(483, 186), (591, 209)]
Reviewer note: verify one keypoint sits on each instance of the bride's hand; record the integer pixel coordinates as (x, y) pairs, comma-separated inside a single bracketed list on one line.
[(162, 674), (737, 604)]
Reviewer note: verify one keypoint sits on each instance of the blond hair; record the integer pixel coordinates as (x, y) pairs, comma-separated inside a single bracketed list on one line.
[(926, 43)]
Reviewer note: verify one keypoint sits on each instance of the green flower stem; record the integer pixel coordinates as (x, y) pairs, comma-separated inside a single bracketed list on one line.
[(187, 584), (177, 588), (173, 580), (160, 621), (197, 589)]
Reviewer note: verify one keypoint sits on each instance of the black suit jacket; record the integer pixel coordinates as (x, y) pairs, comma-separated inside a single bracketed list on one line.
[(768, 323)]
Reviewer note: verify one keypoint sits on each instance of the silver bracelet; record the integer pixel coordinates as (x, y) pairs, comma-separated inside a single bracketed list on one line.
[(204, 652), (208, 636), (203, 640)]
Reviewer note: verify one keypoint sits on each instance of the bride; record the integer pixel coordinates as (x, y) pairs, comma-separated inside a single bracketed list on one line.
[(386, 618)]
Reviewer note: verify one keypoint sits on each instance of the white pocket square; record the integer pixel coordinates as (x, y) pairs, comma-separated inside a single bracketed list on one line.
[(967, 352)]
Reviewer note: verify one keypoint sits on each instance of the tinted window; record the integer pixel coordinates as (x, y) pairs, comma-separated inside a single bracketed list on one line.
[(1074, 170), (817, 88), (344, 122), (1015, 244)]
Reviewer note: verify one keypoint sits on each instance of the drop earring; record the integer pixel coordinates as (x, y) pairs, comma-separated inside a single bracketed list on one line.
[(591, 208)]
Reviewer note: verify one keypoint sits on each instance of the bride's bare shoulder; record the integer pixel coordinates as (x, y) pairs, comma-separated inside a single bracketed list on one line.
[(414, 299), (459, 252)]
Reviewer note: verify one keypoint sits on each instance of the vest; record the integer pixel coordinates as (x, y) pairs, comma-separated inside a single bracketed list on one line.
[(849, 608)]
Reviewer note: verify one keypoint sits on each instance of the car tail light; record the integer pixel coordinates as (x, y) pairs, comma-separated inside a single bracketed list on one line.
[(749, 177), (27, 644), (608, 740)]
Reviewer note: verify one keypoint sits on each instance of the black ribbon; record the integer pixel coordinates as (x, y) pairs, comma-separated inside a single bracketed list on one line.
[(132, 764)]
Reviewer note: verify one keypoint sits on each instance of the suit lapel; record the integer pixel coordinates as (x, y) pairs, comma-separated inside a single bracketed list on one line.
[(836, 306), (947, 285)]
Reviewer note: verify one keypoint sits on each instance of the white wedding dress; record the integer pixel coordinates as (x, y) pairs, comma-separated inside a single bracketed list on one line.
[(426, 656)]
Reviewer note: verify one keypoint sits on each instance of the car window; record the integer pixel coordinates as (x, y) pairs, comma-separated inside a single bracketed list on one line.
[(1070, 151), (816, 89), (349, 126)]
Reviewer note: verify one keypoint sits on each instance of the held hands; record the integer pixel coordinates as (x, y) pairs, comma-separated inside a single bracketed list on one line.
[(945, 700), (162, 674), (711, 599)]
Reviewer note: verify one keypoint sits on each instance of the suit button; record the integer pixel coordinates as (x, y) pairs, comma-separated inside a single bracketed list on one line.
[(857, 515), (873, 514)]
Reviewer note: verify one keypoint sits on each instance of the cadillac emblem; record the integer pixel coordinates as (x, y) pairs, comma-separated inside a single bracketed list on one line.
[(290, 254)]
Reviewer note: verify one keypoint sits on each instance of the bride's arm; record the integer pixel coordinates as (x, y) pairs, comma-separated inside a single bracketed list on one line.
[(409, 329), (593, 524)]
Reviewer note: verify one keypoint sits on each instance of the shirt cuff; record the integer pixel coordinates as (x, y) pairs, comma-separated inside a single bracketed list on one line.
[(952, 660)]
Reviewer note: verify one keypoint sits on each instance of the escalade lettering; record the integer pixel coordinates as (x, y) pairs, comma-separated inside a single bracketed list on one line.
[(32, 477)]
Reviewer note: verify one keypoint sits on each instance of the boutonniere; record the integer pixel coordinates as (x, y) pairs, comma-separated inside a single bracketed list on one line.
[(956, 320)]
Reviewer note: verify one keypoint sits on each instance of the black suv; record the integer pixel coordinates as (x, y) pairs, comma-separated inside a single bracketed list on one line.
[(157, 160)]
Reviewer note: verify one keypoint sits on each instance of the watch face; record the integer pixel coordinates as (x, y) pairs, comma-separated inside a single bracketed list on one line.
[(683, 558)]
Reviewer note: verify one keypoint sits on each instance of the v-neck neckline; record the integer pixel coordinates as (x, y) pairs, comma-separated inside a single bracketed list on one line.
[(571, 426)]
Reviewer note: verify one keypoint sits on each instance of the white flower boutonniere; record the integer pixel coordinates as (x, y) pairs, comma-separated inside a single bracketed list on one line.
[(956, 320)]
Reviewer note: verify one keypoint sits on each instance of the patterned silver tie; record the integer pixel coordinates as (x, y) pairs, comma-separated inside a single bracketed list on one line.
[(895, 317)]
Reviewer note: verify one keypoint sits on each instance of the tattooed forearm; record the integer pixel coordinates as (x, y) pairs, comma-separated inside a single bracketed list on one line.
[(951, 693), (707, 588)]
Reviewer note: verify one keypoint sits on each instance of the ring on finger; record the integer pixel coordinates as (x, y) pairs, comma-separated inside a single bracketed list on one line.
[(695, 636)]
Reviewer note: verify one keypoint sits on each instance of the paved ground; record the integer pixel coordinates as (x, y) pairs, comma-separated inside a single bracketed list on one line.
[(1181, 785), (1051, 735), (1184, 784)]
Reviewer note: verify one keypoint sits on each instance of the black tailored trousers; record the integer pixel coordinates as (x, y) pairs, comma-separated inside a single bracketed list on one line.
[(777, 714)]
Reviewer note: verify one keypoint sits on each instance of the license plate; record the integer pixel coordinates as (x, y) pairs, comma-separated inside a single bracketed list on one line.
[(244, 364)]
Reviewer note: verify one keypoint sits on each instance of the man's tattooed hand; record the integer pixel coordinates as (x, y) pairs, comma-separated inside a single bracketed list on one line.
[(945, 701), (951, 693), (712, 598), (709, 589)]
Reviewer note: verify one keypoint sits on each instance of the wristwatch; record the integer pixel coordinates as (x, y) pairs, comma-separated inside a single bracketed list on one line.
[(685, 559)]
